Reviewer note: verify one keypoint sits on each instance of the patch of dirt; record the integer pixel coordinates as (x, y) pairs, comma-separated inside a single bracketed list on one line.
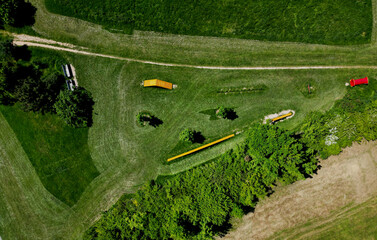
[(350, 177), (28, 38), (275, 115)]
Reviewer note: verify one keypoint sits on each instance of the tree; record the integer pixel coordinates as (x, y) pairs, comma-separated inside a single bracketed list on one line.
[(75, 107), (7, 68), (29, 94), (187, 135), (226, 113), (16, 13)]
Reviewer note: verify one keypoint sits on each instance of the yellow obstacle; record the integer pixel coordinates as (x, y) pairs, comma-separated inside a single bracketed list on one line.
[(281, 117), (158, 83), (200, 148)]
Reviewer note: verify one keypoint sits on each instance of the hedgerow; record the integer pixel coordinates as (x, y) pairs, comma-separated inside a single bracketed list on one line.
[(322, 21)]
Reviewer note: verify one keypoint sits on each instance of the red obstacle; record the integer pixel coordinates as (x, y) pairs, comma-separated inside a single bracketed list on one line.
[(355, 82)]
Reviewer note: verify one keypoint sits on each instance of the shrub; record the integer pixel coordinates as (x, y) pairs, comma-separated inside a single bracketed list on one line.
[(187, 135), (226, 113), (75, 107)]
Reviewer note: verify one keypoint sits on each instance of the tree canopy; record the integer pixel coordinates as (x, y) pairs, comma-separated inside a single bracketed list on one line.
[(75, 107), (16, 13)]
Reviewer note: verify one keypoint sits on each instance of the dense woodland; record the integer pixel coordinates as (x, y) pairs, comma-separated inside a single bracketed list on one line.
[(323, 21)]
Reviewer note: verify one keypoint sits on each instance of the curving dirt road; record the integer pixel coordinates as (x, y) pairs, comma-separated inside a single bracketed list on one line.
[(22, 39)]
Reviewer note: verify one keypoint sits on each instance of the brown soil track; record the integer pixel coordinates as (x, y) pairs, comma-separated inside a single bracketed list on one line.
[(343, 180)]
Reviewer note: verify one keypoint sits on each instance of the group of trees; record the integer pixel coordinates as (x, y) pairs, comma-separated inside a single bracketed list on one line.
[(17, 13), (199, 202), (40, 88)]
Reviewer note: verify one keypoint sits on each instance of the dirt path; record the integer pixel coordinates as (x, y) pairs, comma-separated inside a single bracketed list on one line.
[(20, 40), (350, 177)]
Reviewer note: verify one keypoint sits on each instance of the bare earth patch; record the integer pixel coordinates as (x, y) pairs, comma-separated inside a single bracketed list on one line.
[(350, 177), (275, 115)]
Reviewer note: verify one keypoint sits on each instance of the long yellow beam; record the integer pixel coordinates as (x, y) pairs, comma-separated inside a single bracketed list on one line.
[(200, 148), (281, 117)]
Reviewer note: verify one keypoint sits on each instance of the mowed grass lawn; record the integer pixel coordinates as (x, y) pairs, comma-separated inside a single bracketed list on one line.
[(116, 138), (322, 21), (59, 153)]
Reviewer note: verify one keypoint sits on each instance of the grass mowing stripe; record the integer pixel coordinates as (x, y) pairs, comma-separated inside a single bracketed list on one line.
[(59, 153), (27, 209)]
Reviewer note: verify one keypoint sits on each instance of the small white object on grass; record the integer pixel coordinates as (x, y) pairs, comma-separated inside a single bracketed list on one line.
[(347, 84)]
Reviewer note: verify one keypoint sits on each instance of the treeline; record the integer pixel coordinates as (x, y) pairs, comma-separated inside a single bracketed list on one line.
[(279, 20), (39, 87), (353, 118), (199, 202)]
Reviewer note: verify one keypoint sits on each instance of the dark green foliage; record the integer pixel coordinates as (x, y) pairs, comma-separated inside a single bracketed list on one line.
[(199, 203), (187, 135), (322, 21), (39, 95), (351, 119), (17, 13), (34, 84), (75, 107), (59, 154), (226, 113)]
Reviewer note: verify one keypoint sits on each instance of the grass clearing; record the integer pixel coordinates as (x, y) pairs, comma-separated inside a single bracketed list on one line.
[(351, 21), (59, 153)]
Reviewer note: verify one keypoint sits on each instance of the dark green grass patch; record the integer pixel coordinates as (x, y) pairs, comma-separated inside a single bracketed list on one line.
[(59, 153), (323, 21)]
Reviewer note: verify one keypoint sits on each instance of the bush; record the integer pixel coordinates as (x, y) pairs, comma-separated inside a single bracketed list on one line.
[(187, 135), (226, 113), (75, 107)]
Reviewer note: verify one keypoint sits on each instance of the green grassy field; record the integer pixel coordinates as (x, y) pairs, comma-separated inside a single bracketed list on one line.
[(352, 222), (127, 155), (325, 21), (59, 153)]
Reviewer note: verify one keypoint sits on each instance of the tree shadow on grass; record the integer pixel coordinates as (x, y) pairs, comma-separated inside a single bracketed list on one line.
[(22, 53), (231, 114), (155, 121), (25, 15), (198, 137)]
